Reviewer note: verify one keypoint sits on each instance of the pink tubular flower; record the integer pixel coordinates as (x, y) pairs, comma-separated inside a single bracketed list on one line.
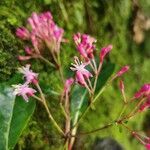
[(104, 52), (85, 45), (23, 33), (144, 91), (82, 74), (43, 30), (147, 146), (122, 71), (145, 105), (23, 90), (67, 86), (29, 75)]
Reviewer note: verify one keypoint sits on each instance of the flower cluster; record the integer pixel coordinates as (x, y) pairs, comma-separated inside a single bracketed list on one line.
[(23, 89), (43, 31), (85, 45)]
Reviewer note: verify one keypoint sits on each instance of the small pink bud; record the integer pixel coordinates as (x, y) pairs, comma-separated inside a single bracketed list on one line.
[(35, 18), (121, 85), (122, 71), (28, 50), (85, 45), (145, 105), (144, 91), (23, 58), (77, 38), (23, 33), (147, 146), (48, 15), (68, 84), (30, 21), (104, 52)]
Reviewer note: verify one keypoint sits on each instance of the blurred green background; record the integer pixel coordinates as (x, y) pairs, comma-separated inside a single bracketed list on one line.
[(123, 23)]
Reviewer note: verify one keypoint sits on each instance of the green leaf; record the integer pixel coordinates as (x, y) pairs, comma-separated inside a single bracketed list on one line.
[(107, 71), (79, 96), (14, 116)]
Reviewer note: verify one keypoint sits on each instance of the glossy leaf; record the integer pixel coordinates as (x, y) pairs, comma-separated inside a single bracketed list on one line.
[(14, 116)]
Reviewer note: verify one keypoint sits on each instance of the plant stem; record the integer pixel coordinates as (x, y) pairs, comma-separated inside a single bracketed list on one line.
[(52, 119), (43, 100), (63, 110), (60, 68), (97, 74), (136, 107), (95, 130), (45, 60), (122, 110)]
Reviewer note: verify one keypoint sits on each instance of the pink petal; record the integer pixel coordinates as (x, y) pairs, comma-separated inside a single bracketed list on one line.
[(122, 71), (104, 52)]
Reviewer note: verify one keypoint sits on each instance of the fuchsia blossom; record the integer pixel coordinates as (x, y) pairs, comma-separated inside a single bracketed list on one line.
[(122, 71), (23, 33), (67, 86), (145, 105), (144, 91), (23, 90), (147, 146), (85, 45), (104, 52), (43, 31), (82, 74), (29, 75)]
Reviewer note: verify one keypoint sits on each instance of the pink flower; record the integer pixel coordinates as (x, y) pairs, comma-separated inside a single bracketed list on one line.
[(104, 52), (144, 91), (145, 105), (122, 71), (82, 74), (147, 146), (67, 86), (85, 45), (23, 90), (23, 33), (29, 75), (44, 29)]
